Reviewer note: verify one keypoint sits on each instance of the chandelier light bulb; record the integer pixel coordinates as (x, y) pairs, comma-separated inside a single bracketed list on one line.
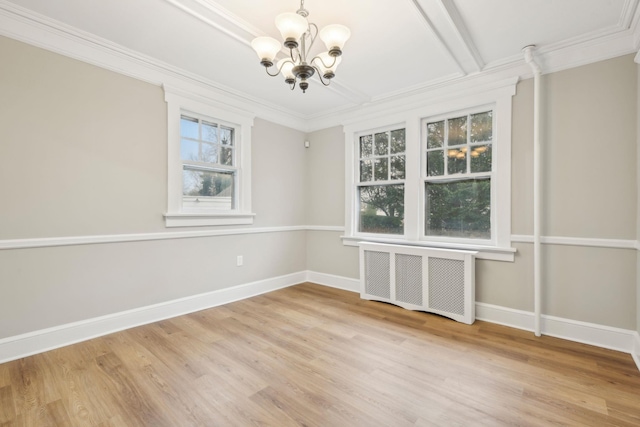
[(267, 48), (334, 37), (291, 26), (327, 64), (286, 67)]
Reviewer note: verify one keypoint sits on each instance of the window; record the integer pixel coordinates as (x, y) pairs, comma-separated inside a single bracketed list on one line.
[(457, 176), (208, 167), (209, 157), (381, 182), (435, 175)]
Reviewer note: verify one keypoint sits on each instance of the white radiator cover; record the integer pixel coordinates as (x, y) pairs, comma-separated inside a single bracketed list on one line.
[(440, 281)]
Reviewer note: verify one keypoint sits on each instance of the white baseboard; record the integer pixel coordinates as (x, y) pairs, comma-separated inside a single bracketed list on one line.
[(48, 339), (339, 282), (572, 330), (16, 347)]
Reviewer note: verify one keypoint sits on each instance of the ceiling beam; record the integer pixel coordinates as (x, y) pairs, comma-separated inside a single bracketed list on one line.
[(459, 27)]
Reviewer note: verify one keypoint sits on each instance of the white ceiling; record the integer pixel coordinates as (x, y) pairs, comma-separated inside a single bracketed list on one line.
[(397, 47)]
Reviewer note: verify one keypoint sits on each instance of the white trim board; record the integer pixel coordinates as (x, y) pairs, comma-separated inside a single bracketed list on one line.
[(578, 241), (572, 330), (46, 242), (333, 281), (35, 342), (16, 347), (624, 340)]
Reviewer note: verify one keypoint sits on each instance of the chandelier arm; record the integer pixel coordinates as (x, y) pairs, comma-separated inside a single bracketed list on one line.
[(279, 68), (294, 60), (335, 59), (312, 36), (320, 76)]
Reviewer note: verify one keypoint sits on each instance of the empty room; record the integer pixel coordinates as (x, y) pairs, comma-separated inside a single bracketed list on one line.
[(319, 213)]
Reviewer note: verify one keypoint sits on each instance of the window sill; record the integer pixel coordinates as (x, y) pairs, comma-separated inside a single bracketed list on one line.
[(198, 219), (484, 252)]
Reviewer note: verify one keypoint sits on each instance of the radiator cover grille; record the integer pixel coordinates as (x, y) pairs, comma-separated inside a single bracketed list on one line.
[(435, 280), (377, 273), (409, 279), (446, 285)]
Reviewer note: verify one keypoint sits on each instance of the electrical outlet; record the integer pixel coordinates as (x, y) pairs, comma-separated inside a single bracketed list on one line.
[(239, 261)]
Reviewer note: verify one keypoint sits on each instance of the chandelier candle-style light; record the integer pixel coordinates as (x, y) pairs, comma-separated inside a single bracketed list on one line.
[(299, 36)]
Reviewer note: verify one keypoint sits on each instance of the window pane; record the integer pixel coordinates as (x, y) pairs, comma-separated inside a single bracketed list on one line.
[(208, 189), (209, 132), (382, 209), (381, 144), (435, 163), (226, 135), (189, 127), (209, 153), (435, 134), (457, 131), (366, 170), (397, 141), (482, 127), (381, 169), (459, 209), (366, 146), (457, 161), (226, 156), (481, 158), (397, 167), (189, 150)]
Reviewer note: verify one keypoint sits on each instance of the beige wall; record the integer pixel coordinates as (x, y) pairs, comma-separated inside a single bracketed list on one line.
[(278, 187), (325, 177), (52, 286), (590, 151), (325, 205), (83, 151), (590, 191)]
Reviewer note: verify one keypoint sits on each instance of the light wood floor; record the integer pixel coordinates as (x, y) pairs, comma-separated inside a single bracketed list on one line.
[(315, 356)]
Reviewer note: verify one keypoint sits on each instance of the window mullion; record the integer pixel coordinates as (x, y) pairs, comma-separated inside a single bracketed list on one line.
[(413, 164)]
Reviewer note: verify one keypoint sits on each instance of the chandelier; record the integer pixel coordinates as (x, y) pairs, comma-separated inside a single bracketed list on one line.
[(299, 36)]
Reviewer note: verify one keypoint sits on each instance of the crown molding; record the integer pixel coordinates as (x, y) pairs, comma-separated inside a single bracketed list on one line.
[(38, 30), (27, 26), (553, 58)]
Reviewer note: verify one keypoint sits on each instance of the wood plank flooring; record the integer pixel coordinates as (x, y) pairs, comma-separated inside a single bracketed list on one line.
[(316, 356)]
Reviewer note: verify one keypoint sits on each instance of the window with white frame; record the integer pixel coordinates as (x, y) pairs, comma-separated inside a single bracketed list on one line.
[(447, 183), (209, 171), (209, 158), (380, 185), (458, 175)]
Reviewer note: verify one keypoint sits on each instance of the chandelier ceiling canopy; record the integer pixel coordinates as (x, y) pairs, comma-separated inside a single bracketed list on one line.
[(299, 36)]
